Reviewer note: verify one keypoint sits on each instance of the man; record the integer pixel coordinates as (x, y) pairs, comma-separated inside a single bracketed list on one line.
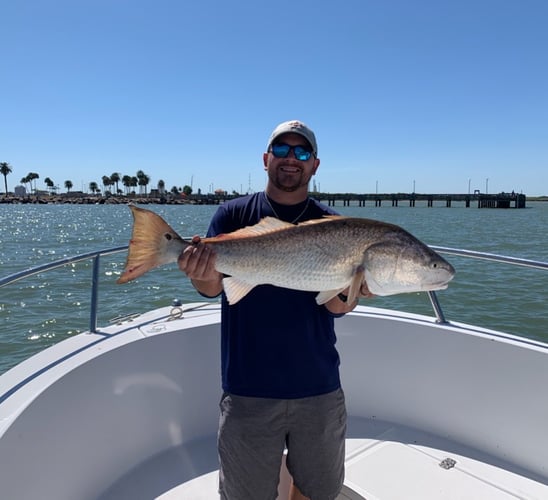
[(280, 368)]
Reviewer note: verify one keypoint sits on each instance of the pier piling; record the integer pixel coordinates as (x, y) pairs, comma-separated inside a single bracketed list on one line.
[(501, 200)]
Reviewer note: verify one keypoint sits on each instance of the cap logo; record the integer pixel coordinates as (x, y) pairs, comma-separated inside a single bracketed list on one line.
[(296, 124)]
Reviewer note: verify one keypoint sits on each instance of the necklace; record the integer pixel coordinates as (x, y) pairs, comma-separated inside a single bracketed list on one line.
[(276, 213)]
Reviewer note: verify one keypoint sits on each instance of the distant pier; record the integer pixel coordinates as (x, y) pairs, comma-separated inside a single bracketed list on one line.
[(500, 200), (479, 200)]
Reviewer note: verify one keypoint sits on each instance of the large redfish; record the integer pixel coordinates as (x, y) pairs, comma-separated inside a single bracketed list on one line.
[(323, 255)]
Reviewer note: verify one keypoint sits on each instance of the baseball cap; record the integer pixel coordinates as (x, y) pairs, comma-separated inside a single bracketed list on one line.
[(294, 127)]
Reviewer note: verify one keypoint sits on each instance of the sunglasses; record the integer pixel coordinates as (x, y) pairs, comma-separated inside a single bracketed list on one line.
[(282, 151)]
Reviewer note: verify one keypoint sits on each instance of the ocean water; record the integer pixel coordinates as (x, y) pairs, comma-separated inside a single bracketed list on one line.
[(44, 309)]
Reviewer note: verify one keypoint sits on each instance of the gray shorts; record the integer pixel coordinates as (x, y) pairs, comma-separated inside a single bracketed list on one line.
[(253, 433)]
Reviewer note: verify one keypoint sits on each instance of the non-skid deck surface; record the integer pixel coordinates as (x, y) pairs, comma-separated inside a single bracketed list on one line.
[(393, 463)]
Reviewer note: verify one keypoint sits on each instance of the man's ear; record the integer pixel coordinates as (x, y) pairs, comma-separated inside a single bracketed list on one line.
[(316, 165)]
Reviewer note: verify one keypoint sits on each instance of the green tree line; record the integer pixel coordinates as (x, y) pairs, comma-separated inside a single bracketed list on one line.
[(129, 182)]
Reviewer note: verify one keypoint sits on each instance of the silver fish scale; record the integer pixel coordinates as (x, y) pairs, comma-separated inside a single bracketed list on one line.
[(312, 257)]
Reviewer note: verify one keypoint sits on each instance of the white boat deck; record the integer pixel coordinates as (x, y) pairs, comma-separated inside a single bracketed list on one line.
[(435, 412), (419, 466), (400, 463)]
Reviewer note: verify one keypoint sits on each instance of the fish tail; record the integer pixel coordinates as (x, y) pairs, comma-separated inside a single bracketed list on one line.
[(153, 243)]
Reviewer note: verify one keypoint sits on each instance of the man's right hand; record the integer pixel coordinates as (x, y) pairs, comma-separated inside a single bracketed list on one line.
[(197, 261)]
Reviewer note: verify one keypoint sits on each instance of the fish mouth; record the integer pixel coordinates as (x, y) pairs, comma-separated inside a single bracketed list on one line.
[(440, 284), (433, 287)]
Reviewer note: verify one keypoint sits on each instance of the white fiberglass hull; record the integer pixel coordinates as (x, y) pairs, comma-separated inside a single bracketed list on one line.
[(435, 411)]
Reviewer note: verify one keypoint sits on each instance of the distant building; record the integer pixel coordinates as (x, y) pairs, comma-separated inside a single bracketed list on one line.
[(20, 191), (74, 194)]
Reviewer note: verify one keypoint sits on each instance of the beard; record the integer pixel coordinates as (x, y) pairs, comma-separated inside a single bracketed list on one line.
[(288, 181)]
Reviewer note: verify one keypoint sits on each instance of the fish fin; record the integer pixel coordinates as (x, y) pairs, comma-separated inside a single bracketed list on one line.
[(354, 292), (327, 295), (265, 226), (322, 220), (236, 289), (356, 284), (153, 243)]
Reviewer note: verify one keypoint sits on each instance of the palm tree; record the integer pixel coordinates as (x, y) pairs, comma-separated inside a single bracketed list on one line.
[(115, 179), (49, 183), (26, 180), (161, 186), (32, 176), (143, 181), (5, 169), (126, 181), (140, 174), (106, 183), (134, 182), (68, 185), (93, 187)]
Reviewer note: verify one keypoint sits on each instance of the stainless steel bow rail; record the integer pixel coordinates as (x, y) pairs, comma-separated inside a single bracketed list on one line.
[(516, 261), (95, 257), (492, 257)]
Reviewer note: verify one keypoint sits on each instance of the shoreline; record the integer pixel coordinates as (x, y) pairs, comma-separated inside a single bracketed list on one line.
[(125, 200), (89, 200)]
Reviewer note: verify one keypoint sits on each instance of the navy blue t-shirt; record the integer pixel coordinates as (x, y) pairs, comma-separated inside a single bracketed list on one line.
[(275, 342)]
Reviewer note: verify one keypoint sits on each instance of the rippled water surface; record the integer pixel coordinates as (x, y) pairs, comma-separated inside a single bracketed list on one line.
[(44, 309)]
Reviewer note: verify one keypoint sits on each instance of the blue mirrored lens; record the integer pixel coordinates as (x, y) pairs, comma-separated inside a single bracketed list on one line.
[(301, 154), (280, 150)]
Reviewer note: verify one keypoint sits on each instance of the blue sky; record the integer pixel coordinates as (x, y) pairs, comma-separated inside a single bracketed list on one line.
[(437, 94)]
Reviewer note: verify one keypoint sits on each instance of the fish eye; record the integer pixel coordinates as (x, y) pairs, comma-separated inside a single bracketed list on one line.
[(168, 237)]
